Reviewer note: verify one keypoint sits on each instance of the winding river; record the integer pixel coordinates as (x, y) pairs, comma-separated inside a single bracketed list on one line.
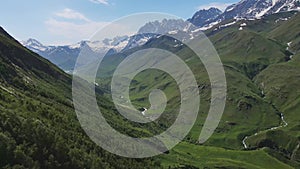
[(282, 124)]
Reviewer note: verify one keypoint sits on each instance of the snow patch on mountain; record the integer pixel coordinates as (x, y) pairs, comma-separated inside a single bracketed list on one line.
[(243, 24), (210, 25), (227, 24)]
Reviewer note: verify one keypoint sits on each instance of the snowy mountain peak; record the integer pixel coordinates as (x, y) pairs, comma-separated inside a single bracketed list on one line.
[(164, 26), (258, 8), (34, 45), (253, 9), (32, 41)]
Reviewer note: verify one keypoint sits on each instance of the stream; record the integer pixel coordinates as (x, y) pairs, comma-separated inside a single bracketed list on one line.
[(282, 124)]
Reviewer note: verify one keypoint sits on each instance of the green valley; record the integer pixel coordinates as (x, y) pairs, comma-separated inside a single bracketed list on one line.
[(260, 126)]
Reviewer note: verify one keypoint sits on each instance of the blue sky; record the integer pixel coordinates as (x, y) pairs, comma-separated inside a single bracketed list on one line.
[(69, 21)]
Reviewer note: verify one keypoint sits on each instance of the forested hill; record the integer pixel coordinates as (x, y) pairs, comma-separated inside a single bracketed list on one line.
[(38, 125)]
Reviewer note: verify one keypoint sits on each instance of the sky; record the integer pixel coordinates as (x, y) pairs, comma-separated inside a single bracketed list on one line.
[(62, 22)]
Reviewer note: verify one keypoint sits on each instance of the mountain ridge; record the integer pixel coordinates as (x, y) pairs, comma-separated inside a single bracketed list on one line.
[(203, 16), (253, 9)]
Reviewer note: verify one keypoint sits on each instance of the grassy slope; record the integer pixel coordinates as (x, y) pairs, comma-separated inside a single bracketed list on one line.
[(279, 83), (251, 51), (255, 54), (244, 101), (288, 32), (186, 154)]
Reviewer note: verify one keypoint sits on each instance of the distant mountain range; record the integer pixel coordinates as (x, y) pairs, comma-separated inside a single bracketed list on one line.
[(62, 56), (66, 56), (245, 9), (259, 8)]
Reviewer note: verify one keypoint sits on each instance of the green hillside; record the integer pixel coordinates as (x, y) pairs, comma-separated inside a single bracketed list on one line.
[(251, 56), (38, 125), (261, 55)]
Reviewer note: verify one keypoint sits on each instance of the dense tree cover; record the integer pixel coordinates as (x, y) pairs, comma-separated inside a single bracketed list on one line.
[(39, 131)]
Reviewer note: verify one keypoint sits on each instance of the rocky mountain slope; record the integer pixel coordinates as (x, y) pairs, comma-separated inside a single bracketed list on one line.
[(203, 16), (258, 8), (248, 9)]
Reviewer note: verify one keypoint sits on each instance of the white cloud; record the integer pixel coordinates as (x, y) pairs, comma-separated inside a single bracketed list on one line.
[(105, 2), (221, 6), (71, 14), (71, 31)]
